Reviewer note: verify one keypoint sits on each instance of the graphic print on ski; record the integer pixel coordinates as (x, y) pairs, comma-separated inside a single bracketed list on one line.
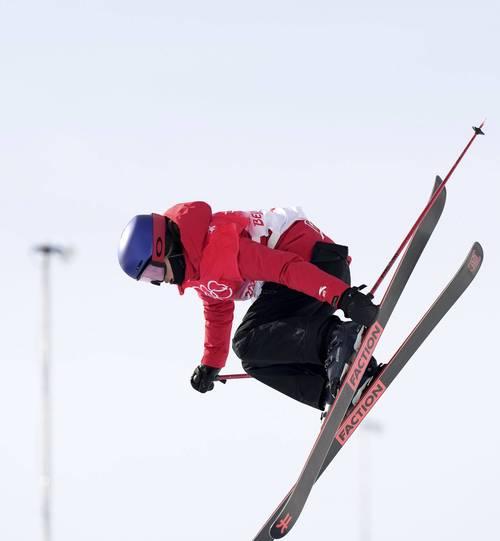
[(421, 331), (290, 511)]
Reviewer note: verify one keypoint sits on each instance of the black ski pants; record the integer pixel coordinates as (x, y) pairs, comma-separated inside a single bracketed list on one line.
[(283, 338)]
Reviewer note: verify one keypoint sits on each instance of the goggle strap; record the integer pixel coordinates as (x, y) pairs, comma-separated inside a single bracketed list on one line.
[(159, 234)]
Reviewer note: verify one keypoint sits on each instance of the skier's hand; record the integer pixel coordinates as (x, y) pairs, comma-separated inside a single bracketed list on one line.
[(203, 378), (358, 306)]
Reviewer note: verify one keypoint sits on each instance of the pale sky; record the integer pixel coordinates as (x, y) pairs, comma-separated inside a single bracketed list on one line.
[(111, 109)]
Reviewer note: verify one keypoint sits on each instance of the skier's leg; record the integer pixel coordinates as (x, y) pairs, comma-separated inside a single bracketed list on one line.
[(281, 342), (294, 344)]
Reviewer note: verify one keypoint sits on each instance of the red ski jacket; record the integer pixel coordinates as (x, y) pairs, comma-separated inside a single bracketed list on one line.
[(229, 254)]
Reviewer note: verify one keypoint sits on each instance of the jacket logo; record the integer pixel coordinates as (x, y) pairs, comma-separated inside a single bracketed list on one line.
[(322, 292), (215, 290)]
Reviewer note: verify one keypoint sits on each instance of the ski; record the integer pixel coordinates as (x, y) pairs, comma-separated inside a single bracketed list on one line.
[(287, 515), (448, 297)]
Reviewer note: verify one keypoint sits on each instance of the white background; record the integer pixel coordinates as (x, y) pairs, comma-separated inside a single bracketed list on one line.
[(110, 109)]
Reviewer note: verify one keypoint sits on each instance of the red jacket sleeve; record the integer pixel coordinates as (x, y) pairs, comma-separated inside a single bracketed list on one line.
[(258, 262), (218, 322)]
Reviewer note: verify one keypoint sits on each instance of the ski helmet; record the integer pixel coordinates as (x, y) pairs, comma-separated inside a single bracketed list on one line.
[(142, 248)]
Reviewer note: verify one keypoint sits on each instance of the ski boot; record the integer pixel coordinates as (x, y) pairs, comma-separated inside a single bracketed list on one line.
[(372, 371), (345, 340)]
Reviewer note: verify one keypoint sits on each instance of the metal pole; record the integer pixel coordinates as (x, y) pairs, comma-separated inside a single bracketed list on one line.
[(365, 479), (420, 219), (46, 251)]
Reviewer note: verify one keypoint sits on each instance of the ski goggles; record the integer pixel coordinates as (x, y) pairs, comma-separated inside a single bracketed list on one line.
[(154, 274), (156, 270)]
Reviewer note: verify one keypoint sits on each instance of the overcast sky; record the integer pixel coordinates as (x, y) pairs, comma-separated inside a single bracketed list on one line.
[(110, 109)]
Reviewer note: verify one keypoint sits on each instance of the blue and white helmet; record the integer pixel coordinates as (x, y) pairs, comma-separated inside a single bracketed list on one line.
[(142, 248)]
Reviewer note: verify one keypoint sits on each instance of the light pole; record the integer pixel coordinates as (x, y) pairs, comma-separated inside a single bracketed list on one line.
[(368, 428), (47, 251)]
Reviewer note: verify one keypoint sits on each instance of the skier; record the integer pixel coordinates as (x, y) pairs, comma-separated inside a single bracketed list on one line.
[(290, 338)]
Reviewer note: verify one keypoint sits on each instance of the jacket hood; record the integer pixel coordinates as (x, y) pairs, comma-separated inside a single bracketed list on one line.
[(193, 220)]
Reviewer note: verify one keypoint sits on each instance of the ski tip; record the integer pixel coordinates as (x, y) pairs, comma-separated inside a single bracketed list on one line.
[(478, 249), (475, 258), (437, 183), (478, 131)]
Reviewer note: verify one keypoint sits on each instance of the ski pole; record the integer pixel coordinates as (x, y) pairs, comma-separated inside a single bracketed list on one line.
[(223, 378), (477, 131)]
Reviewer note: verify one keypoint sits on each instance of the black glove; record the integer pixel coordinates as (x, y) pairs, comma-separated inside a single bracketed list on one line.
[(358, 306), (203, 378)]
